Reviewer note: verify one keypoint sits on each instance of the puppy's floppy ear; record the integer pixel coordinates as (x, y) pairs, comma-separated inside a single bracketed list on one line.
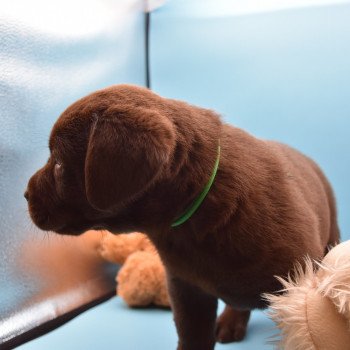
[(126, 152)]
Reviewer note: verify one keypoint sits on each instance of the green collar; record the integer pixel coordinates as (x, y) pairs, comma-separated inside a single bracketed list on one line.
[(198, 201)]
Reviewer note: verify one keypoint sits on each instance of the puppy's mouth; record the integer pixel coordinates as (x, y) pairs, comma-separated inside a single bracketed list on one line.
[(43, 220), (51, 213), (78, 229), (64, 222), (45, 224), (100, 227), (71, 230)]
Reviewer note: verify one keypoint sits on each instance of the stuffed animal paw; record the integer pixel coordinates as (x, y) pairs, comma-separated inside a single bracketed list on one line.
[(314, 312), (141, 280)]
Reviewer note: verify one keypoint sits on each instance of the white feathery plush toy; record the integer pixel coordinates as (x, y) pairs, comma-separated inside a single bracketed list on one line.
[(314, 311)]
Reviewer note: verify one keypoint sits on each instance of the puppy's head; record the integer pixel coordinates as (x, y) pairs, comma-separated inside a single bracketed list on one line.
[(105, 150)]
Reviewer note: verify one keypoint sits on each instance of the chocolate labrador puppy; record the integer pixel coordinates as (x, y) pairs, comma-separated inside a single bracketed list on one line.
[(226, 211)]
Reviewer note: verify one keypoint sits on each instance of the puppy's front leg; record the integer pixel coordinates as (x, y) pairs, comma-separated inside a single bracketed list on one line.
[(194, 315)]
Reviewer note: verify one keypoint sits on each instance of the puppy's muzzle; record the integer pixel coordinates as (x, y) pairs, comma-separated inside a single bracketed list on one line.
[(43, 202)]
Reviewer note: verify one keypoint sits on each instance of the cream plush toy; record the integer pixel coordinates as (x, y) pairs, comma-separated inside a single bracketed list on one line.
[(141, 280), (314, 313)]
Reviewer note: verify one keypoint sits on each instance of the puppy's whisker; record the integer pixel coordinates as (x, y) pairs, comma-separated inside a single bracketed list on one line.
[(43, 237), (29, 226), (63, 238)]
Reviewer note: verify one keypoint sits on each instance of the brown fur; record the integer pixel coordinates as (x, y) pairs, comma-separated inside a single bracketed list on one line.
[(134, 161)]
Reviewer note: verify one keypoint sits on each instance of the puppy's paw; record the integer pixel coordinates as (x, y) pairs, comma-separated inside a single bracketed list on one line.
[(226, 333), (231, 325)]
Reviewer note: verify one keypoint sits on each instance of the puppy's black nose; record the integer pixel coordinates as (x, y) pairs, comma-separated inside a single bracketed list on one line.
[(26, 195)]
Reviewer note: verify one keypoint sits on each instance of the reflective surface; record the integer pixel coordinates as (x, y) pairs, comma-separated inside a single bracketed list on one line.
[(50, 55)]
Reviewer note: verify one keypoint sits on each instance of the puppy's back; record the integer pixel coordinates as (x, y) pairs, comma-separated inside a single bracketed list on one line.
[(312, 188)]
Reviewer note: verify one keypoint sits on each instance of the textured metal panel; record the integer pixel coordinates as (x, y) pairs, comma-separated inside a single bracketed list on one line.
[(51, 53)]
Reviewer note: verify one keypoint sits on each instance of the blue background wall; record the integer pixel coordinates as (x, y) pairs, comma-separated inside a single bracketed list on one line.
[(281, 75)]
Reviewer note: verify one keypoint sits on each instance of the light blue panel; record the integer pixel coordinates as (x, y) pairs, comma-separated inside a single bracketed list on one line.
[(51, 54), (114, 326), (279, 74)]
